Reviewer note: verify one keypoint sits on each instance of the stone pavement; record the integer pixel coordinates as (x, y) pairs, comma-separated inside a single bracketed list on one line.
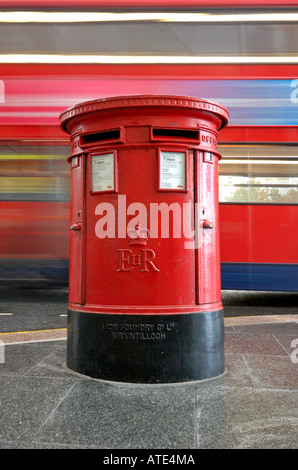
[(253, 406)]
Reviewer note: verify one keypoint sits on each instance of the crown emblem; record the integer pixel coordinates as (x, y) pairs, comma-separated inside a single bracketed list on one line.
[(137, 235)]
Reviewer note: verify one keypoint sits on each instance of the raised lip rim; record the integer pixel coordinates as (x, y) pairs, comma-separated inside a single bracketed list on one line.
[(143, 100)]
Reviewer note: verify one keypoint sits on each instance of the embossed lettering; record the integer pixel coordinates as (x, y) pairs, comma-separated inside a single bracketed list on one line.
[(129, 260), (209, 140), (140, 331), (124, 260), (147, 260), (138, 335)]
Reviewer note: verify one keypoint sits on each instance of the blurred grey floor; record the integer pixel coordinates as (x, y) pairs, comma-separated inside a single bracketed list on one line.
[(252, 303), (46, 406)]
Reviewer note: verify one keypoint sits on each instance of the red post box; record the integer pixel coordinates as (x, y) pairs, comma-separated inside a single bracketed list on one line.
[(144, 288)]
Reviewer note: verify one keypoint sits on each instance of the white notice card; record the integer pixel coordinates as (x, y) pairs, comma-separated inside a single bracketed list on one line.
[(103, 172), (172, 170)]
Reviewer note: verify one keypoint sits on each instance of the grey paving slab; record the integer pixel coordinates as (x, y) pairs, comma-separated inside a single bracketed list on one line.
[(273, 372), (21, 358), (237, 374), (43, 405), (288, 342), (22, 445), (246, 418), (27, 403), (253, 343), (122, 416), (290, 328), (53, 365)]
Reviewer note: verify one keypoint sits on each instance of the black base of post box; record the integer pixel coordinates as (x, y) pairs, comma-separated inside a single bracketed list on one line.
[(147, 349)]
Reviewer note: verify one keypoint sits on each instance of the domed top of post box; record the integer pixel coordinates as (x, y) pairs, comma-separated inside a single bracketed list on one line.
[(144, 101)]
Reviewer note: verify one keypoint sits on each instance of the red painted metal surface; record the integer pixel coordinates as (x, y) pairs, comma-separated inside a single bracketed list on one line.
[(77, 234), (208, 254), (111, 271)]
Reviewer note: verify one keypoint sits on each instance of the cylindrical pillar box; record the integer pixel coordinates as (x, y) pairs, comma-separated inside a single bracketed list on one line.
[(144, 287)]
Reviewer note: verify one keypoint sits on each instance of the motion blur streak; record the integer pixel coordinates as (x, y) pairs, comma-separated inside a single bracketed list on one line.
[(94, 16), (117, 59), (245, 58)]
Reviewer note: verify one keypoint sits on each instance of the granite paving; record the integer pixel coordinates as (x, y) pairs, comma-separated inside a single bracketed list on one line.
[(44, 405)]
